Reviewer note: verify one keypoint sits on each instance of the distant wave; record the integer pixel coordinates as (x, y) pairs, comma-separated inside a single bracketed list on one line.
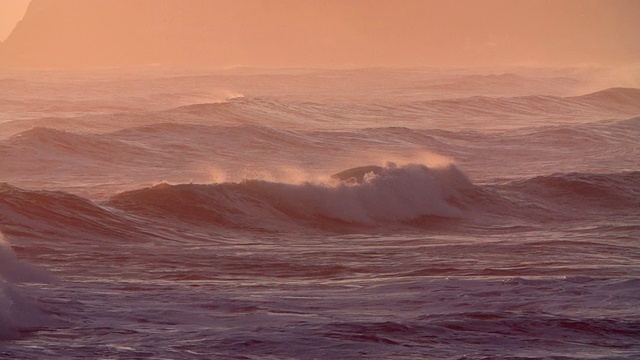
[(70, 145), (613, 97), (605, 104), (469, 113), (504, 83), (256, 136), (609, 101), (155, 141)]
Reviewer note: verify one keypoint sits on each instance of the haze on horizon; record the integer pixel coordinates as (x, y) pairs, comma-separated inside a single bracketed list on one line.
[(327, 33)]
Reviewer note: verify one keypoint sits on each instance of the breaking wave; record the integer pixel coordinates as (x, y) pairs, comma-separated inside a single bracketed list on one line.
[(396, 195), (18, 312), (382, 197)]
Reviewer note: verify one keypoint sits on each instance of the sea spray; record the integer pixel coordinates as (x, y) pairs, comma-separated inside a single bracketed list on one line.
[(397, 194)]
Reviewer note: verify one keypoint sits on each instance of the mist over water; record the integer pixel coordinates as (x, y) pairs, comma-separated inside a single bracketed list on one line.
[(367, 213)]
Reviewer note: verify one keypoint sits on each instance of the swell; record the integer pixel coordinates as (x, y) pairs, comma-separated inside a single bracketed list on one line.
[(558, 198), (52, 143), (157, 143), (601, 105), (59, 216), (146, 145), (505, 111), (412, 195), (349, 113), (621, 190), (619, 97)]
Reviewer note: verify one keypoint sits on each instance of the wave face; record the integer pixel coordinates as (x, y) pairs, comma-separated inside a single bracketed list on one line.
[(397, 194), (364, 213), (612, 191), (410, 195)]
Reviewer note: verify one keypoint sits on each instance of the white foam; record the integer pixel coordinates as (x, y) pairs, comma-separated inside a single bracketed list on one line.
[(17, 311), (16, 271), (396, 195)]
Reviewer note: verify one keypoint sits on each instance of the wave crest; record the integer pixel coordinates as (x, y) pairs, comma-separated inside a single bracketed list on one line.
[(396, 194), (607, 190)]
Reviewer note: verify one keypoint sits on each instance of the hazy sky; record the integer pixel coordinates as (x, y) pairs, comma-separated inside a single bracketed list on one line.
[(323, 32), (11, 11)]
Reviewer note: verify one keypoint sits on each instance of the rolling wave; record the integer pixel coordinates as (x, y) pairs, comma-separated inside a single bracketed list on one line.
[(380, 197), (47, 214), (601, 105), (66, 144), (398, 194), (628, 98), (157, 142), (559, 198), (620, 191)]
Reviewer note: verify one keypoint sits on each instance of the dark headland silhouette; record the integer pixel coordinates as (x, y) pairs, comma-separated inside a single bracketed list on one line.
[(215, 33)]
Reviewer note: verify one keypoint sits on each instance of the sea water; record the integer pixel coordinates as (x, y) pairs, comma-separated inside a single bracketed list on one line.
[(168, 214)]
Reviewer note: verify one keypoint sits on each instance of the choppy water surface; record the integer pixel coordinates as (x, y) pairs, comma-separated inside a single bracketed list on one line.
[(152, 214)]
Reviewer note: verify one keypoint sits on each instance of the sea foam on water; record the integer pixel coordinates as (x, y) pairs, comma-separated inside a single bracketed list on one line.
[(18, 312)]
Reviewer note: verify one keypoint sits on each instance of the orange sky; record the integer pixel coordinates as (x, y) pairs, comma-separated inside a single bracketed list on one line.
[(324, 32)]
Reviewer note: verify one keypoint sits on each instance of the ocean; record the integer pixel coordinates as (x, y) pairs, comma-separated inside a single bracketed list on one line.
[(376, 213)]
